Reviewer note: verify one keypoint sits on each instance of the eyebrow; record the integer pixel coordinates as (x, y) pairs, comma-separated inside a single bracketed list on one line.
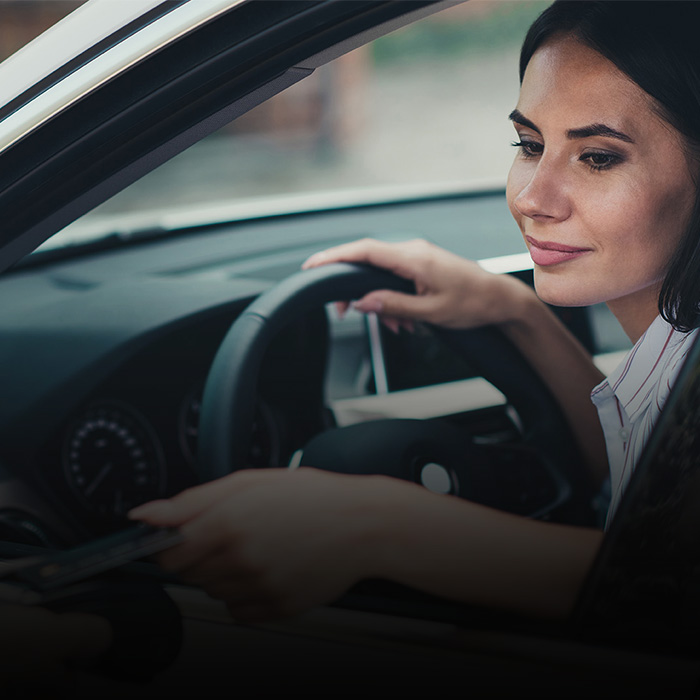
[(581, 133)]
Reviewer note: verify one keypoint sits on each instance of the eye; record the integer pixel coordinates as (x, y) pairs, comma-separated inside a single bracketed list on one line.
[(600, 160), (529, 149)]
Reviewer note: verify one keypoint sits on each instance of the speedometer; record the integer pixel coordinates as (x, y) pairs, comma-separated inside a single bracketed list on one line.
[(112, 460)]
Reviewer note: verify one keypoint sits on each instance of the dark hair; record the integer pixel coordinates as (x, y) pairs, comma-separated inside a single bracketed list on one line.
[(656, 43)]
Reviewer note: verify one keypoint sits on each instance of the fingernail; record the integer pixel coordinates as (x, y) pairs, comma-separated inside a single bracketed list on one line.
[(369, 306)]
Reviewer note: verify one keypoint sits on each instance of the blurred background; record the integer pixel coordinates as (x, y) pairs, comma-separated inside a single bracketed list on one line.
[(425, 106)]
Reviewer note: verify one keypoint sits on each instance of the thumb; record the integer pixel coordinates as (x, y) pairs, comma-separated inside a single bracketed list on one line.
[(161, 513), (194, 501), (174, 511)]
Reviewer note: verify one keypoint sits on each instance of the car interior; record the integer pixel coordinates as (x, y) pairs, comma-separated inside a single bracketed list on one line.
[(118, 376), (120, 386)]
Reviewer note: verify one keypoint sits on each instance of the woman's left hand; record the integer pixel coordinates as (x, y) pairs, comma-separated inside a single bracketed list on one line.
[(269, 543)]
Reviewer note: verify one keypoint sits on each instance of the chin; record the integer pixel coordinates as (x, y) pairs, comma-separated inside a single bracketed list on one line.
[(559, 292)]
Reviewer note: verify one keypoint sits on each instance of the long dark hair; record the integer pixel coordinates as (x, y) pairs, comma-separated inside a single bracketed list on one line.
[(656, 43)]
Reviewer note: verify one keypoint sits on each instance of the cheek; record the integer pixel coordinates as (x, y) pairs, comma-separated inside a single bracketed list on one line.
[(630, 214), (668, 218), (617, 216)]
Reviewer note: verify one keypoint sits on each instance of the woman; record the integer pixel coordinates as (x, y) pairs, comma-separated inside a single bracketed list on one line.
[(603, 188)]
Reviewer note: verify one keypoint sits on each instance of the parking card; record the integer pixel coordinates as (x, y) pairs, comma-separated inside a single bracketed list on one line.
[(59, 568)]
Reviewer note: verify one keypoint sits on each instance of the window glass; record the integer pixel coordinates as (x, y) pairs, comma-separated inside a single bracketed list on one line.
[(424, 106)]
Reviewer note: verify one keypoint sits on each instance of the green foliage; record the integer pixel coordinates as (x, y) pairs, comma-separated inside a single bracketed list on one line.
[(502, 25)]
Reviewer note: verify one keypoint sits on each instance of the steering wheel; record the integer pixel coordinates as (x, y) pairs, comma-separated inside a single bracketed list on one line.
[(545, 455)]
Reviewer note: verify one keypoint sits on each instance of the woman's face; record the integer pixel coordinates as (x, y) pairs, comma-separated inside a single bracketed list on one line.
[(600, 185)]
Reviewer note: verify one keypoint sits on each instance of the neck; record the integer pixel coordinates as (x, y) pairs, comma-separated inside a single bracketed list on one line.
[(637, 311)]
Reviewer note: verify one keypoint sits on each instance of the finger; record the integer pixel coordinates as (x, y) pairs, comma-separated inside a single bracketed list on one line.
[(221, 565), (341, 308), (396, 305), (396, 324), (236, 590), (158, 513), (390, 256), (214, 534), (391, 323), (357, 251), (194, 501), (186, 558)]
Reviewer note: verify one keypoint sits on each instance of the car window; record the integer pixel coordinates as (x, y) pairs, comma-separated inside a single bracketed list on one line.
[(422, 109)]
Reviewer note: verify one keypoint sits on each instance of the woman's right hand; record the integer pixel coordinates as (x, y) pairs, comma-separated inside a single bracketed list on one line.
[(451, 291)]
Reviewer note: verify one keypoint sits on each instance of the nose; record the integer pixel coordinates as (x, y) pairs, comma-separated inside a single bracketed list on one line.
[(539, 190)]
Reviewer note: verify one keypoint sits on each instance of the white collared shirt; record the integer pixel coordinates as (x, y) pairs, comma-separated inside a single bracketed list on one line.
[(630, 400)]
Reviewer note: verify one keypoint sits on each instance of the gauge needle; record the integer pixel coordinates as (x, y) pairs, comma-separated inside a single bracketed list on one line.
[(100, 476)]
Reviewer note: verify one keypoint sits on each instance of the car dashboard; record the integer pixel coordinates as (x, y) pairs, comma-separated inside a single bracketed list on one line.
[(107, 383), (104, 357)]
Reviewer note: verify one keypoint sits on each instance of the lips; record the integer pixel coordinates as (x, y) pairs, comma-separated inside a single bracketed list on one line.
[(545, 253)]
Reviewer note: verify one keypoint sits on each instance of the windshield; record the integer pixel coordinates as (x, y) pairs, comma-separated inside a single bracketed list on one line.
[(421, 110)]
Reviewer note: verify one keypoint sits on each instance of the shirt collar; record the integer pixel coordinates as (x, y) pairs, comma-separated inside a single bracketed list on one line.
[(637, 374)]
